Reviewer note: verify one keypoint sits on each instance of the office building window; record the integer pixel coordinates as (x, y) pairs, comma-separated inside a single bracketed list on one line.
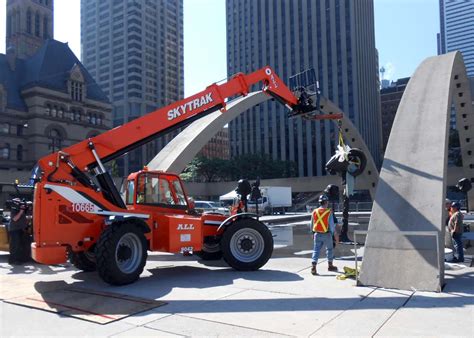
[(28, 22), (5, 151), (5, 128), (45, 28), (37, 24), (19, 152)]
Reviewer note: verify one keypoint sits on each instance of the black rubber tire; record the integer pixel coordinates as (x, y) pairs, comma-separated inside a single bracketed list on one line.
[(84, 261), (238, 230), (357, 156), (211, 250), (106, 251), (209, 256)]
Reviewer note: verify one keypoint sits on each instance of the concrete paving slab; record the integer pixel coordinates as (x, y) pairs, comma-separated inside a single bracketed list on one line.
[(21, 321), (98, 307), (142, 331), (305, 284), (433, 314), (280, 301), (450, 313), (364, 318), (273, 312), (181, 302), (206, 328)]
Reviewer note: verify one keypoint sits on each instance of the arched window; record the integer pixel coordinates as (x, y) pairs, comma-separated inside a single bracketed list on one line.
[(28, 22), (47, 109), (56, 140), (99, 120), (94, 119), (76, 91), (5, 151), (45, 27), (5, 128), (37, 24), (19, 152), (61, 112), (54, 111)]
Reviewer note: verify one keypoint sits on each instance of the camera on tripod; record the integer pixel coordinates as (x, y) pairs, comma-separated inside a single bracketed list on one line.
[(17, 204)]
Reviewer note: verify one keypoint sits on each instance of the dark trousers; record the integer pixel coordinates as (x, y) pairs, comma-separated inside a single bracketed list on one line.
[(20, 246), (457, 243)]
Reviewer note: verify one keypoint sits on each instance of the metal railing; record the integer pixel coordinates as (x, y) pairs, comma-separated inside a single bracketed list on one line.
[(353, 206)]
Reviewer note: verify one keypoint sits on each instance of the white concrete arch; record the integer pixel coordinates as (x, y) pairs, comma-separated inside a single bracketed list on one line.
[(181, 150), (405, 244)]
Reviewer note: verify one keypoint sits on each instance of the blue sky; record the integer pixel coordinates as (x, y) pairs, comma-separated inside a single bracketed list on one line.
[(405, 32)]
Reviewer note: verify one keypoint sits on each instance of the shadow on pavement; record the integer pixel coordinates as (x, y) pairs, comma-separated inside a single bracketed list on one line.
[(163, 280), (33, 267)]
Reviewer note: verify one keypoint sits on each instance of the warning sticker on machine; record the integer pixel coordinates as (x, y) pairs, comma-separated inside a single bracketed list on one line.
[(185, 237)]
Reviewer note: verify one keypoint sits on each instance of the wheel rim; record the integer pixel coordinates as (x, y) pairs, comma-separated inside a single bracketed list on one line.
[(128, 253), (247, 245)]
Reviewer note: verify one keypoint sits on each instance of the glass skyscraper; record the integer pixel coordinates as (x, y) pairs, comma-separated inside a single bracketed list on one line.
[(457, 30), (134, 50), (337, 39)]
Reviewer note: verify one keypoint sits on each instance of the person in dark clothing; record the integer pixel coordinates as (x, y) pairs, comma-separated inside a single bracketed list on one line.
[(19, 238), (455, 227)]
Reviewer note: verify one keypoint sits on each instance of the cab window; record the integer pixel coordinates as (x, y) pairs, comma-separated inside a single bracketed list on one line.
[(179, 192), (130, 191), (153, 189)]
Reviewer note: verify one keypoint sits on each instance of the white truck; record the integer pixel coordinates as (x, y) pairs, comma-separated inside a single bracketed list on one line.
[(274, 200)]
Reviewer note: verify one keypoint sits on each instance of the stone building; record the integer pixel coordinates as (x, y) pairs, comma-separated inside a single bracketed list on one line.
[(218, 146), (48, 100), (390, 98)]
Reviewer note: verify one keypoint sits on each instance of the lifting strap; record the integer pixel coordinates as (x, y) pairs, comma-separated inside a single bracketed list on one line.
[(341, 138)]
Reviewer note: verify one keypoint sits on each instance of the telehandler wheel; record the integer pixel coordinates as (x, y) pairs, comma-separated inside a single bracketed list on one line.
[(84, 261), (210, 252), (247, 244), (121, 253)]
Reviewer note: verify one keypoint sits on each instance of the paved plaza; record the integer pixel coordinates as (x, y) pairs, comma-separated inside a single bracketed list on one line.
[(210, 299)]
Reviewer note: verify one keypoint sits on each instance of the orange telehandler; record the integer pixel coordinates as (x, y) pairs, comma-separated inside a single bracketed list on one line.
[(79, 213)]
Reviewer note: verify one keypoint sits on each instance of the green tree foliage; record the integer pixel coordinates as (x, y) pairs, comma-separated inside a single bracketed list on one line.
[(248, 166), (113, 169)]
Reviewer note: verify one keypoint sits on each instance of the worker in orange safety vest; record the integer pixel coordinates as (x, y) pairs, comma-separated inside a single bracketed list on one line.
[(323, 228)]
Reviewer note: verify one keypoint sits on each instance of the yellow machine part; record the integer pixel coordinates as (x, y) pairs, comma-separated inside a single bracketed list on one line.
[(3, 238)]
